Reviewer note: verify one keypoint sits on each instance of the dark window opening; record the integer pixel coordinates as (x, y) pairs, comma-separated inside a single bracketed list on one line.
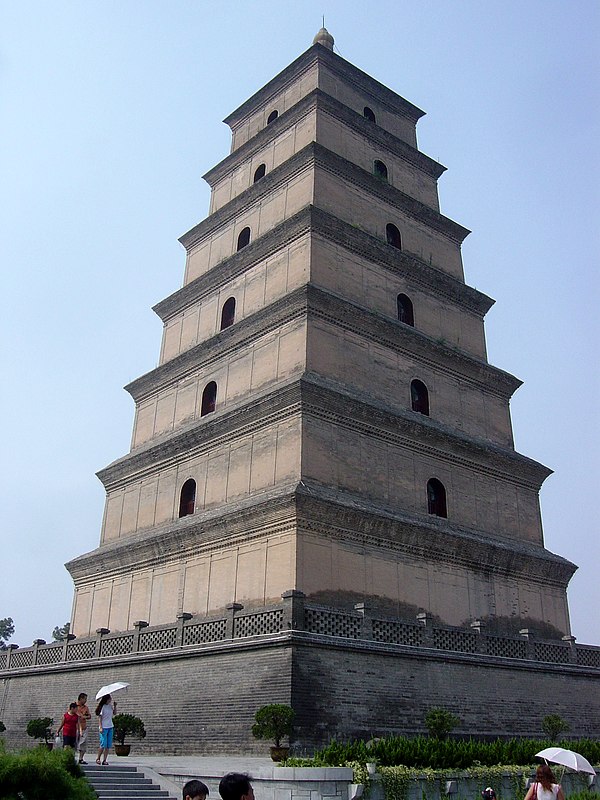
[(228, 313), (187, 500), (380, 170), (436, 498), (419, 397), (405, 310), (272, 117), (392, 235), (260, 172), (243, 238), (209, 399), (369, 114)]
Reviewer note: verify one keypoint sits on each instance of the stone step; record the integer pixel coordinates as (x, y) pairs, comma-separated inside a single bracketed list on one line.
[(122, 782)]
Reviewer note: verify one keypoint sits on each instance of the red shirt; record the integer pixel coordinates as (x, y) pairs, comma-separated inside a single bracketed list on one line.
[(70, 724)]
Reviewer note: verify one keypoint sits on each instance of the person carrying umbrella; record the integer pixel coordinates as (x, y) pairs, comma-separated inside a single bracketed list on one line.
[(544, 786), (105, 710)]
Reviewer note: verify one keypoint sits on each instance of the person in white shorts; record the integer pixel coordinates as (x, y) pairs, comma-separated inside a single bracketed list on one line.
[(83, 713)]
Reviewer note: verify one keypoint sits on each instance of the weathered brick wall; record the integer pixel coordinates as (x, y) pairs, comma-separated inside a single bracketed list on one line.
[(204, 702)]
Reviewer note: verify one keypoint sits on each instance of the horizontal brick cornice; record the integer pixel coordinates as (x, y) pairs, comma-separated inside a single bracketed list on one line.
[(311, 219), (342, 68), (315, 396), (335, 514), (311, 156), (319, 100), (330, 514), (311, 300)]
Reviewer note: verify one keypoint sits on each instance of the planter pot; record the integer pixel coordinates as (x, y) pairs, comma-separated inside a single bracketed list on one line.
[(122, 749), (279, 753), (371, 768)]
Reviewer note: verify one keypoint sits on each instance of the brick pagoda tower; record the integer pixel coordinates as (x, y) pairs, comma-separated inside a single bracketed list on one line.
[(323, 417)]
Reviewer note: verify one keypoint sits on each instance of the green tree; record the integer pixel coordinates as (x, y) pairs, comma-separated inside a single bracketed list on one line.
[(7, 628), (553, 725), (61, 632), (273, 722), (40, 728), (440, 722)]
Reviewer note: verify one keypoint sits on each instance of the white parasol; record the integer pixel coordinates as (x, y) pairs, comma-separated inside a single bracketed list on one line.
[(566, 758), (111, 688)]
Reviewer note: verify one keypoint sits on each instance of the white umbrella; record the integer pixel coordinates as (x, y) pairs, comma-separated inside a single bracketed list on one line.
[(111, 688), (566, 758)]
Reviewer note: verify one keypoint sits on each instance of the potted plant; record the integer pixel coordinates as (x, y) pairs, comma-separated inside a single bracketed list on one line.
[(274, 721), (126, 725), (40, 728)]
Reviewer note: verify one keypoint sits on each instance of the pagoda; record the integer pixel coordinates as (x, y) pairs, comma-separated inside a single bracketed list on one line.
[(323, 418)]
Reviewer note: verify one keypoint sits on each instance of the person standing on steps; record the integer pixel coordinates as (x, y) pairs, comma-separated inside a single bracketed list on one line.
[(105, 710), (83, 712)]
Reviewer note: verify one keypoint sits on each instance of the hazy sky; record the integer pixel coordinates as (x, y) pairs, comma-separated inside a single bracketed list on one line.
[(110, 112)]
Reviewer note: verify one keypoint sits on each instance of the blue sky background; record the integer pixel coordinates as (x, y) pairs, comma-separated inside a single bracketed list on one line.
[(110, 112)]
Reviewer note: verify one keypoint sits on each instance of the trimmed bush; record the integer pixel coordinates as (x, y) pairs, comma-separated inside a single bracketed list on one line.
[(41, 773), (40, 728), (273, 722), (128, 725)]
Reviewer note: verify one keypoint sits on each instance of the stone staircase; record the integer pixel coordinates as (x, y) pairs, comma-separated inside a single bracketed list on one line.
[(116, 782)]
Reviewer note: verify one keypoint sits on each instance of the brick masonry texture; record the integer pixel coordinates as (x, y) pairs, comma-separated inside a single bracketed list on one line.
[(204, 703)]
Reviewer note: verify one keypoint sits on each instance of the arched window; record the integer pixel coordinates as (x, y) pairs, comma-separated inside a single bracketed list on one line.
[(209, 399), (187, 500), (228, 313), (260, 172), (272, 117), (436, 498), (243, 238), (369, 114), (392, 235), (419, 397), (380, 170), (405, 310)]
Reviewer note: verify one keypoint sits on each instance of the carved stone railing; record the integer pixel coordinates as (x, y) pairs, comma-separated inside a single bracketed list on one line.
[(295, 613)]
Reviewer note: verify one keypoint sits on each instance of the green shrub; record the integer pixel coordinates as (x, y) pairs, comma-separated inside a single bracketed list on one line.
[(273, 721), (440, 722), (553, 725), (423, 752), (39, 728), (40, 773), (128, 725)]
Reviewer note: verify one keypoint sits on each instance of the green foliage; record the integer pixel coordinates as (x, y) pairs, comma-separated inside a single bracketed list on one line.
[(128, 725), (553, 725), (273, 721), (440, 722), (39, 728), (423, 752), (40, 773), (7, 628), (61, 632)]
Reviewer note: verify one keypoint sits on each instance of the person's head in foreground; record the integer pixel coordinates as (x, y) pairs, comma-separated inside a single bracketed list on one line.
[(195, 790), (236, 786)]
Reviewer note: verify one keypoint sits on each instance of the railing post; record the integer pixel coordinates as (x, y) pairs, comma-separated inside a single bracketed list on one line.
[(478, 626), (528, 635), (36, 647), (181, 620), (68, 638), (100, 632), (572, 648), (232, 609), (366, 627), (293, 610), (425, 618), (11, 648), (138, 627)]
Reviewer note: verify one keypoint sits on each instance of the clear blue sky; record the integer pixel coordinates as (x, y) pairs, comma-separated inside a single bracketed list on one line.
[(110, 112)]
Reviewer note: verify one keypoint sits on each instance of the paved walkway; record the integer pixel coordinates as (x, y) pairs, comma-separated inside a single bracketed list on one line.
[(198, 766)]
